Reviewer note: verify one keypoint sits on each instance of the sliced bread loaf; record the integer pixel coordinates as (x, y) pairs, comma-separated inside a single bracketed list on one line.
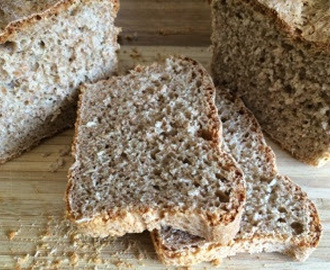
[(147, 155), (47, 49), (276, 55), (278, 215)]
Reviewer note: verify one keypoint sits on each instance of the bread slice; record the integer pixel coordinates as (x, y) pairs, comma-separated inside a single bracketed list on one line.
[(47, 49), (278, 215), (275, 55), (147, 155)]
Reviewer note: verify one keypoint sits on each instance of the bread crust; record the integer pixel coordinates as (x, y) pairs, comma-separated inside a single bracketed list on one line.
[(119, 222), (23, 23)]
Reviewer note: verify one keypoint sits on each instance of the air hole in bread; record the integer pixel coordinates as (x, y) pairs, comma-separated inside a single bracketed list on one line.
[(198, 84), (149, 90), (157, 83), (42, 44), (157, 172), (186, 161), (224, 119), (74, 12), (289, 89), (10, 46), (153, 154), (172, 133), (282, 220), (282, 210), (223, 197), (297, 227), (165, 77), (206, 134), (220, 177)]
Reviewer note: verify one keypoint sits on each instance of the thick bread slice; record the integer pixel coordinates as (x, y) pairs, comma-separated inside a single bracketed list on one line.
[(47, 49), (278, 215), (275, 55), (147, 155)]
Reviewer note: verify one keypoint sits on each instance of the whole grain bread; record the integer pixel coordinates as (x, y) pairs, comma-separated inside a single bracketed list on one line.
[(276, 56), (147, 155), (47, 49), (278, 215)]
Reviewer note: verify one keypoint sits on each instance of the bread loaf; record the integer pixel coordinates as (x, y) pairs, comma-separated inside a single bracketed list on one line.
[(276, 56), (278, 215), (147, 154), (47, 49)]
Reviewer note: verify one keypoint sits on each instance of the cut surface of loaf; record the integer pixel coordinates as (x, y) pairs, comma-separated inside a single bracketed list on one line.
[(47, 49), (278, 215), (147, 155), (276, 56)]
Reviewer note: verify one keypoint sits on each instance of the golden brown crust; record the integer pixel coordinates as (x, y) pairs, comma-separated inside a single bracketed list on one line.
[(22, 23)]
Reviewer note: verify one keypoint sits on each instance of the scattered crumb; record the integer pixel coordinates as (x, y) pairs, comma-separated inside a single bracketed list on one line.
[(60, 162), (65, 151), (135, 54), (160, 58), (54, 167), (131, 37), (22, 260), (141, 256), (11, 234), (121, 264), (216, 262), (46, 154), (128, 37)]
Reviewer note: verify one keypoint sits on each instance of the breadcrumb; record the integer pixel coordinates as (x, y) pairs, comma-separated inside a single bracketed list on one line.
[(11, 234)]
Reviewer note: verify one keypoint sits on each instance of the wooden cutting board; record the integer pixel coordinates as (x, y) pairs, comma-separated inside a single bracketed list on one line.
[(33, 231)]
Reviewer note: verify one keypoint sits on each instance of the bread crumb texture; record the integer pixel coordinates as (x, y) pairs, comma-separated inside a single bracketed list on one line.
[(278, 215), (283, 78), (147, 145), (44, 59)]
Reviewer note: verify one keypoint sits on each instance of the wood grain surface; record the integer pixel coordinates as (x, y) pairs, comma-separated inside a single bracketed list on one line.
[(33, 231)]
